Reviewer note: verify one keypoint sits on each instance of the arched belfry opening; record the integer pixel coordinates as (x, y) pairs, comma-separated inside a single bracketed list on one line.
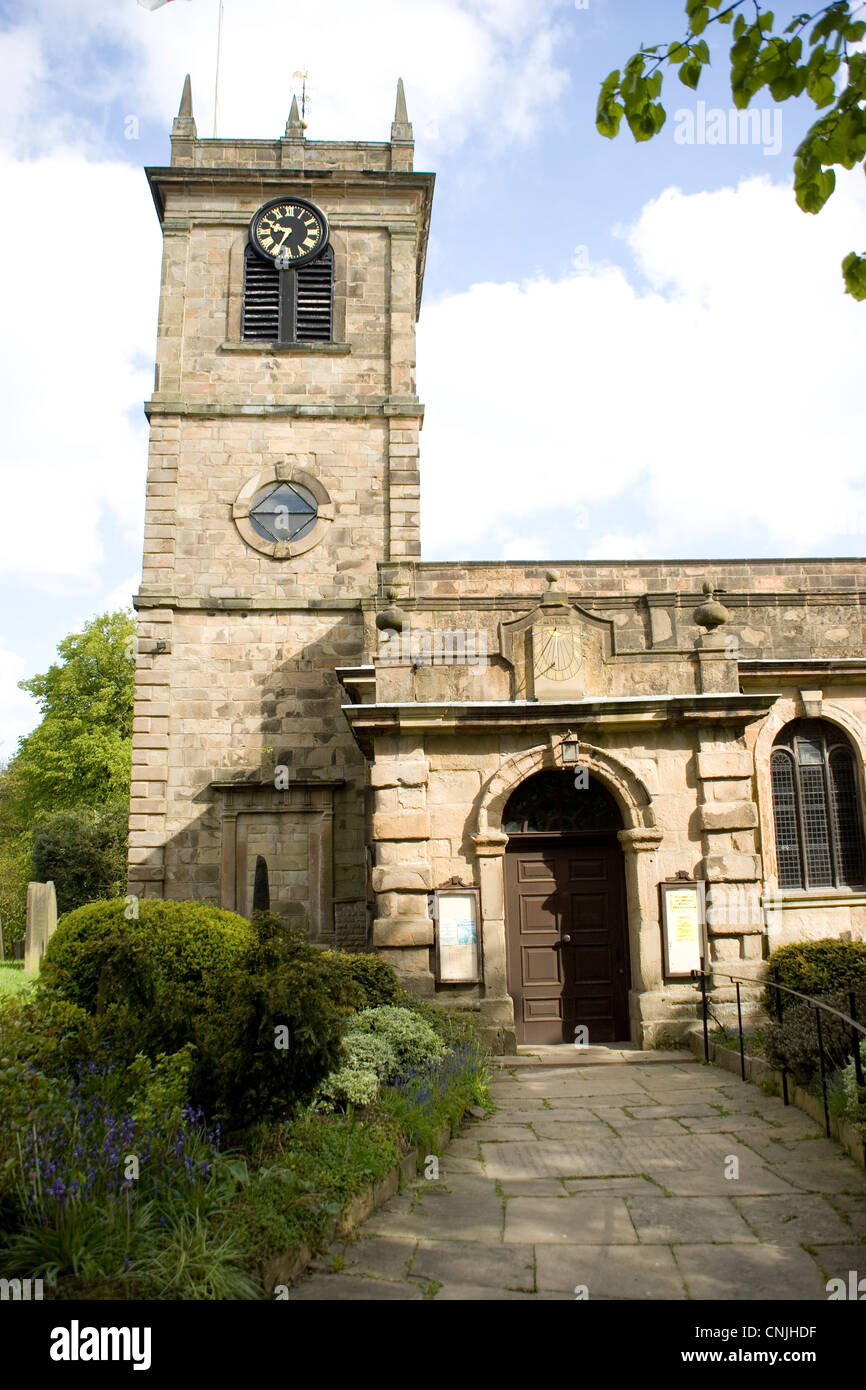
[(566, 918)]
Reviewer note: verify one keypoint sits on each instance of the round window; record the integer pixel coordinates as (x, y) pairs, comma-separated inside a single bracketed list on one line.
[(283, 512)]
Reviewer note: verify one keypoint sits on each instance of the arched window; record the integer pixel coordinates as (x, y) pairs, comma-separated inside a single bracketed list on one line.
[(288, 306), (549, 803), (816, 808)]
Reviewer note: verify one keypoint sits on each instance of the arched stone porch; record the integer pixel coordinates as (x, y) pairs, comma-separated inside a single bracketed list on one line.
[(640, 837)]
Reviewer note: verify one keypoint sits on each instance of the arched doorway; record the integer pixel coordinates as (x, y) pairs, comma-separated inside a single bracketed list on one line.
[(566, 920)]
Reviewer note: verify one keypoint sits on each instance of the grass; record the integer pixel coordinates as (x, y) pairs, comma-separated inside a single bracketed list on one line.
[(299, 1177), (12, 977), (753, 1041)]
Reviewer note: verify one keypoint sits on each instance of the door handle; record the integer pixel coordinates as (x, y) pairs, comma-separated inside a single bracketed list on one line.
[(566, 938)]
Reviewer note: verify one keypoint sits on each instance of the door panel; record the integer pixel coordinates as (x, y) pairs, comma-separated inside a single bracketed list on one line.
[(567, 941)]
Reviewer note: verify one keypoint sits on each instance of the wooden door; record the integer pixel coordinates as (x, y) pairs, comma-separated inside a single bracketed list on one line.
[(567, 940)]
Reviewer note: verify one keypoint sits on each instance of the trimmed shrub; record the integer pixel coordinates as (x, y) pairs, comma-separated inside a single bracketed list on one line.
[(176, 942), (349, 1086), (371, 1052), (376, 979), (270, 1030), (411, 1039), (815, 968)]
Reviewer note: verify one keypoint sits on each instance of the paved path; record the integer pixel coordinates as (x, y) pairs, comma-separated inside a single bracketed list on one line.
[(610, 1174)]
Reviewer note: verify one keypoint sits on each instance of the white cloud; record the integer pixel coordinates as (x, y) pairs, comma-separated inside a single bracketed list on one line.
[(480, 63), (121, 595), (719, 404), (80, 314), (19, 712)]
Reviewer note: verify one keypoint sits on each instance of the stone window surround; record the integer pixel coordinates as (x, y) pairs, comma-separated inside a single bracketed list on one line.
[(313, 800), (234, 311), (782, 713), (292, 468)]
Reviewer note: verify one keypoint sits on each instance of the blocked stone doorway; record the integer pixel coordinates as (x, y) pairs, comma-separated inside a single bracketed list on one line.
[(566, 918)]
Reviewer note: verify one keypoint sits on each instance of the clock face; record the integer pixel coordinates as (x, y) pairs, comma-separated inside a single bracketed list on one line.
[(290, 231)]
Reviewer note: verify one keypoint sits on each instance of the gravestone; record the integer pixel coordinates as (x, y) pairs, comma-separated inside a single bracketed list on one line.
[(41, 922)]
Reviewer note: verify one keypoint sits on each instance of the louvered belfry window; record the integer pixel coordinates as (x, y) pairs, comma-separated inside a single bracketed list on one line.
[(288, 306), (817, 808)]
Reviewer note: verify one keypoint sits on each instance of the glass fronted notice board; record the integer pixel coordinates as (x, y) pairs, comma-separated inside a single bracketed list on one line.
[(455, 916), (684, 925)]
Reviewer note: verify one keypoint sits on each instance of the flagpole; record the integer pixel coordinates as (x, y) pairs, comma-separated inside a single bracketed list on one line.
[(216, 94)]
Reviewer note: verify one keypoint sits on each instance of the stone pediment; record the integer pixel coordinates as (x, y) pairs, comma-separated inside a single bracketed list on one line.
[(558, 651)]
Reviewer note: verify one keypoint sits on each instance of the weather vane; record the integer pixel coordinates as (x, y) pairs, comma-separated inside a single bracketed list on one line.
[(302, 78)]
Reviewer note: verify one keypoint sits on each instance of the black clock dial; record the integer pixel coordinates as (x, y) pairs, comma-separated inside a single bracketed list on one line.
[(290, 231)]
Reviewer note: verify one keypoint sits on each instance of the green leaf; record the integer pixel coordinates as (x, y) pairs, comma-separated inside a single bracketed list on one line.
[(701, 51), (690, 73), (700, 20), (821, 89), (854, 272), (678, 52), (647, 122), (739, 26), (608, 119), (812, 186)]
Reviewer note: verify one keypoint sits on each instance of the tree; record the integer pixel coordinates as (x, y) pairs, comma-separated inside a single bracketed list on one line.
[(64, 796), (781, 62), (83, 853), (80, 754)]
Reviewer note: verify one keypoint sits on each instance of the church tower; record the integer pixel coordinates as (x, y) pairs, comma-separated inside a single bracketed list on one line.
[(283, 474)]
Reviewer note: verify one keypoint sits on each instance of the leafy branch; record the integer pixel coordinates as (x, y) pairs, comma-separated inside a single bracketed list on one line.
[(788, 64)]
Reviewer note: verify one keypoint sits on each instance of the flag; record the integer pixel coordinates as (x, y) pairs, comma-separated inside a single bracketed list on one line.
[(153, 4)]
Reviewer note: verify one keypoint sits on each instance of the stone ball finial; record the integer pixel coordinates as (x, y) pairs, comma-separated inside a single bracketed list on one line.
[(710, 614), (392, 618), (553, 594)]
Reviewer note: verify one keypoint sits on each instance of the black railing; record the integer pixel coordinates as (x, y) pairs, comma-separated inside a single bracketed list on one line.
[(702, 975)]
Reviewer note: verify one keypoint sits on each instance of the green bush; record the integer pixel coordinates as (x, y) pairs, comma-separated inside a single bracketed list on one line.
[(815, 968), (263, 1009), (450, 1025), (410, 1038), (83, 853), (168, 942), (374, 976), (270, 1031), (793, 1042)]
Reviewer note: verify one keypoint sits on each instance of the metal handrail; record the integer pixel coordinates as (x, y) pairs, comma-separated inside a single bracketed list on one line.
[(816, 1004)]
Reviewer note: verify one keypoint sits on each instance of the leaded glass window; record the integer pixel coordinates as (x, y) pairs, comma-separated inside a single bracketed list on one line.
[(550, 802), (283, 512), (817, 808)]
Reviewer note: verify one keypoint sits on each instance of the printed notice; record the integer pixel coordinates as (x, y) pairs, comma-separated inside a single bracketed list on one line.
[(458, 938), (682, 929)]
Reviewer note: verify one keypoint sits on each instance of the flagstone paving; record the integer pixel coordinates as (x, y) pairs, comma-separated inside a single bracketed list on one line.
[(615, 1174)]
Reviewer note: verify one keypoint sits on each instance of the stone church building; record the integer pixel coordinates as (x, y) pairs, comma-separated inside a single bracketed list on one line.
[(494, 774)]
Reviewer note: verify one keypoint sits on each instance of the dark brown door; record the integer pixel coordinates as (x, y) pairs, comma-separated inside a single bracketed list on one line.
[(567, 940)]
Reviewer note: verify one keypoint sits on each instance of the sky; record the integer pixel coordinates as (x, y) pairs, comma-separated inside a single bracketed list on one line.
[(625, 351)]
